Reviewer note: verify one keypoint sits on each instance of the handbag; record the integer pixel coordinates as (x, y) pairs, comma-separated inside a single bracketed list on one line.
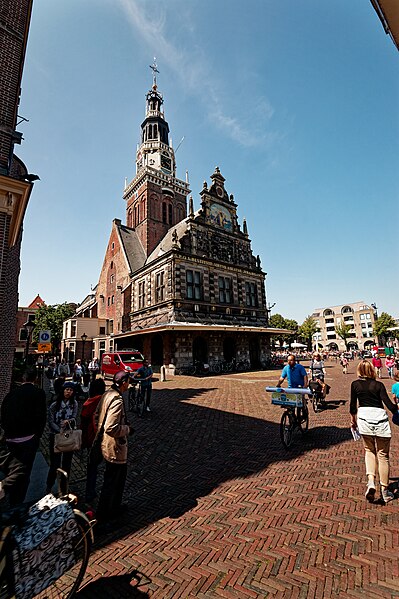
[(69, 440)]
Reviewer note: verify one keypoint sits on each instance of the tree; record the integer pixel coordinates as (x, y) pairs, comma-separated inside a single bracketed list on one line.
[(279, 322), (381, 325), (307, 329), (51, 318), (343, 330)]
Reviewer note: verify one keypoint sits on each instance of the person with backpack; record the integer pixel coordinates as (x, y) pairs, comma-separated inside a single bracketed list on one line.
[(89, 430)]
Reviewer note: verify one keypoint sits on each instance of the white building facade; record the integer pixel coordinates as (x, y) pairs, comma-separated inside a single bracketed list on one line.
[(359, 316)]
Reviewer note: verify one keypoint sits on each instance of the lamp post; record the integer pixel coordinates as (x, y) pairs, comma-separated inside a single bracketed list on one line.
[(83, 338), (29, 326)]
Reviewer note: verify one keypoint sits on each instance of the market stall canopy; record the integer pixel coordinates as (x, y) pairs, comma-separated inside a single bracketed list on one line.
[(297, 345)]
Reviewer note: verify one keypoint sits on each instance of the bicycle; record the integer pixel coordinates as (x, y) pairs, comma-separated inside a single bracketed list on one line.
[(296, 413), (136, 399), (317, 396), (67, 584)]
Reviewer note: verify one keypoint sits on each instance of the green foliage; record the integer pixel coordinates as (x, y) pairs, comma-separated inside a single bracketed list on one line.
[(279, 322), (343, 330), (307, 329), (50, 318), (384, 322)]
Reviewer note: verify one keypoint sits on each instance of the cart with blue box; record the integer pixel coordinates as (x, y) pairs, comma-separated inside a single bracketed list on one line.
[(296, 413)]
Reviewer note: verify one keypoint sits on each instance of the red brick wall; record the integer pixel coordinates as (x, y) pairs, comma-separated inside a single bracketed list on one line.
[(15, 18), (114, 256)]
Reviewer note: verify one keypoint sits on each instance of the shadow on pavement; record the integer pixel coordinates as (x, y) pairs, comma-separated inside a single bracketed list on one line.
[(185, 451), (124, 586)]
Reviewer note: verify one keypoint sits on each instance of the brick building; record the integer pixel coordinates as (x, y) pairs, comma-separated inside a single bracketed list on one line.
[(24, 313), (178, 284), (15, 183)]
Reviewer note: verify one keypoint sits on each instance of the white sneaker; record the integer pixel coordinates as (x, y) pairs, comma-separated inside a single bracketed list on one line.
[(148, 409), (386, 495)]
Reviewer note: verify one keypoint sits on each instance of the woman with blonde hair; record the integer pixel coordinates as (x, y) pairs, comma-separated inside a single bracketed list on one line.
[(368, 397)]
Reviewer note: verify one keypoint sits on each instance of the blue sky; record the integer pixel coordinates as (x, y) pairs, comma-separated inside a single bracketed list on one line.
[(296, 102)]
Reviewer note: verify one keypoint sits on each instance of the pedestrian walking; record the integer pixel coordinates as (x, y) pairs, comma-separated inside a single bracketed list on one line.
[(94, 368), (390, 365), (368, 398), (111, 418), (63, 368), (23, 418), (62, 414), (144, 375), (377, 363), (78, 371), (88, 426), (344, 363)]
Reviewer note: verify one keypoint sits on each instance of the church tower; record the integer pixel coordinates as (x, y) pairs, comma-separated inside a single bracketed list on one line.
[(155, 199)]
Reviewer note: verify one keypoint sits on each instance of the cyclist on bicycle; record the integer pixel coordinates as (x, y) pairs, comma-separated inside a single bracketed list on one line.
[(295, 374)]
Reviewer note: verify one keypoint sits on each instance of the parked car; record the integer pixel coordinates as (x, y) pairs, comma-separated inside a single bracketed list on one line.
[(128, 360)]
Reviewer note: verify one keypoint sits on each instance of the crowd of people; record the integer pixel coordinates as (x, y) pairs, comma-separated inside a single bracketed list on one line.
[(100, 416)]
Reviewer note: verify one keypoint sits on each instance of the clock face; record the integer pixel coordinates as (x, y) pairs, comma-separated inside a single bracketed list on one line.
[(219, 191), (166, 163), (220, 216)]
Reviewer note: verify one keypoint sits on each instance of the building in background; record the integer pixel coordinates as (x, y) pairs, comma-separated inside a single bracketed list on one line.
[(359, 315), (15, 181), (24, 314), (179, 285)]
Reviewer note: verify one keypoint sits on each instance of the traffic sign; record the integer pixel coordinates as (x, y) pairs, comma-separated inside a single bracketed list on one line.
[(44, 336), (43, 348)]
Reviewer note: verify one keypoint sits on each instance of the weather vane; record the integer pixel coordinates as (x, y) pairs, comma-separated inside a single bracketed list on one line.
[(154, 69)]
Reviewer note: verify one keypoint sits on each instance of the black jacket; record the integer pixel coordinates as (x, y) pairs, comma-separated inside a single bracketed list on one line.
[(24, 412)]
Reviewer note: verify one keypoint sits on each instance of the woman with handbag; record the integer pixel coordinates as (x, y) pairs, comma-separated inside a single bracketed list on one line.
[(62, 415), (368, 398)]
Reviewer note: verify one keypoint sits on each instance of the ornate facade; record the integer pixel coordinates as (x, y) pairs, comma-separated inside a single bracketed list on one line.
[(177, 284)]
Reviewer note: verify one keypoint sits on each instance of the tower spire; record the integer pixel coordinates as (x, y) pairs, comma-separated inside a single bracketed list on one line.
[(154, 68)]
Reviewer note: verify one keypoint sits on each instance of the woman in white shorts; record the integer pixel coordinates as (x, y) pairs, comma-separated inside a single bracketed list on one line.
[(368, 397)]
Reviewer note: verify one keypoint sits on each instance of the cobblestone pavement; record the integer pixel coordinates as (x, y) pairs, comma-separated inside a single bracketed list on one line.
[(218, 508)]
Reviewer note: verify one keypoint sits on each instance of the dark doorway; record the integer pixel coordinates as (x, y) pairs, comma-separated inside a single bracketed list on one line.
[(254, 352), (229, 349), (156, 352), (200, 350)]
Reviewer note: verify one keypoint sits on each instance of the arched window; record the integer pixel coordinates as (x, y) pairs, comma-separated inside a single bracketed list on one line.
[(346, 310), (129, 218), (164, 213), (328, 312), (170, 213)]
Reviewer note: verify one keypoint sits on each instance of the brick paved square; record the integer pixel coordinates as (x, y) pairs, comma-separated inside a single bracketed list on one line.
[(218, 508)]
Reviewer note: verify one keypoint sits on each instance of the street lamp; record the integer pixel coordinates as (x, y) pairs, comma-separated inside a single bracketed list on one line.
[(29, 326), (83, 338)]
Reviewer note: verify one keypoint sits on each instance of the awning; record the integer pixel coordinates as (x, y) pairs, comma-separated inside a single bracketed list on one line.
[(194, 326)]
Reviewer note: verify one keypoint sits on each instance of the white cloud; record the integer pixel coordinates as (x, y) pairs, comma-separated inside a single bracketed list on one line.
[(192, 68)]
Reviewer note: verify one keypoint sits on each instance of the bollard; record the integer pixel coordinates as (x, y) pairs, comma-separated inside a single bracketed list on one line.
[(163, 374)]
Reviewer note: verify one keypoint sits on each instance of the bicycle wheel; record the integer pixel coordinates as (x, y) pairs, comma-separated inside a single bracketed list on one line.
[(303, 418), (66, 586), (286, 429), (140, 404), (132, 399)]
